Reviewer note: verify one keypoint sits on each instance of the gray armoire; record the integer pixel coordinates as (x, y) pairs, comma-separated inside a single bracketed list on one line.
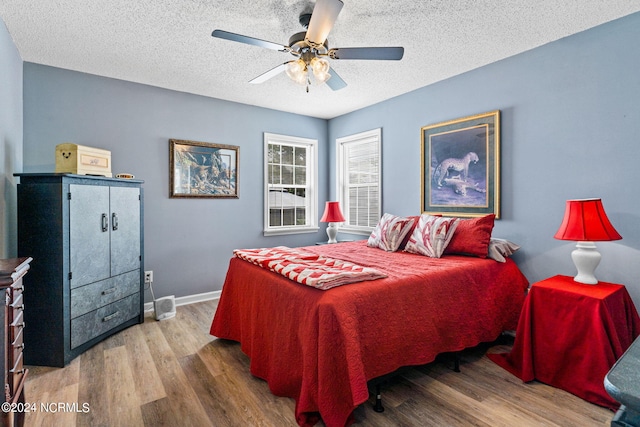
[(85, 234)]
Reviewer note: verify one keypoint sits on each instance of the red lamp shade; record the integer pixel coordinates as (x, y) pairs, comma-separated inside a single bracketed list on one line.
[(585, 220), (332, 213)]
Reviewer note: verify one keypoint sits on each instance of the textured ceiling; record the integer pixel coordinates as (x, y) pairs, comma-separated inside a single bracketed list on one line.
[(168, 43)]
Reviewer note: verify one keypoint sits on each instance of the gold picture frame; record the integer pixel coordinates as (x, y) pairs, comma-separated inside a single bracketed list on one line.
[(203, 170), (460, 166)]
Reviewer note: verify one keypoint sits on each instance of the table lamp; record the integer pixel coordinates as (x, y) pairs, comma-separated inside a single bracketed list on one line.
[(586, 222), (332, 215)]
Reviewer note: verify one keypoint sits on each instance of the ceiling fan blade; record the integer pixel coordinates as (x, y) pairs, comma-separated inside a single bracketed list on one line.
[(269, 74), (380, 53), (248, 40), (335, 82), (324, 15)]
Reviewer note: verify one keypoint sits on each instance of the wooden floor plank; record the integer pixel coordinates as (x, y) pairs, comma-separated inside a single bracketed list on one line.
[(159, 413), (197, 323), (124, 404), (146, 377), (213, 360), (181, 396), (92, 386), (250, 395), (45, 397), (179, 336), (173, 372), (222, 407), (58, 408)]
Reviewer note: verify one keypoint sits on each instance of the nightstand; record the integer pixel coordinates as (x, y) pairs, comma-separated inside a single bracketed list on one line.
[(569, 335)]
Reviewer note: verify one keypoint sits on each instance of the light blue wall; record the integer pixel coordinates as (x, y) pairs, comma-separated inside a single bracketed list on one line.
[(10, 140), (570, 129), (188, 242)]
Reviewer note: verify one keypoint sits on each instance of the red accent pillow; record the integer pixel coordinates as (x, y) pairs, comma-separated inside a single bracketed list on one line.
[(472, 237)]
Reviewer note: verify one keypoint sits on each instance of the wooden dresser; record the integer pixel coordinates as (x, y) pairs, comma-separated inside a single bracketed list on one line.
[(11, 273)]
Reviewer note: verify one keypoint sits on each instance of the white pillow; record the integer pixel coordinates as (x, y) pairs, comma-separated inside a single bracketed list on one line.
[(501, 248), (432, 235), (390, 232)]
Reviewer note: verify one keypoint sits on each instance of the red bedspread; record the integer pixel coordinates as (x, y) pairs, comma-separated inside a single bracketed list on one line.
[(321, 347)]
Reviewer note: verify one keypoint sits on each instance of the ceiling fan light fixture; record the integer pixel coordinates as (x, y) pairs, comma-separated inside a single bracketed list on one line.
[(297, 71), (320, 67), (311, 49)]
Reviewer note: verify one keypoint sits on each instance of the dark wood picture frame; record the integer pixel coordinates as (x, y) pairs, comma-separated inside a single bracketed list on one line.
[(460, 166), (203, 170)]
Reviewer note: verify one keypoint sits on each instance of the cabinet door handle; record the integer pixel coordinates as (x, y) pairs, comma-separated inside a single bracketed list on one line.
[(114, 221), (105, 222), (108, 291), (111, 316)]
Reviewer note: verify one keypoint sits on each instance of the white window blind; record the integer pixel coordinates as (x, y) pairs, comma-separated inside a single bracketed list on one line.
[(359, 164)]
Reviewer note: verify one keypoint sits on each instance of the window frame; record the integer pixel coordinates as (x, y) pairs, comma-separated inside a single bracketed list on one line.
[(311, 193), (342, 174)]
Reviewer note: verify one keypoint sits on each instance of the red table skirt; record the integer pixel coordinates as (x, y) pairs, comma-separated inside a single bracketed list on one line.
[(569, 336)]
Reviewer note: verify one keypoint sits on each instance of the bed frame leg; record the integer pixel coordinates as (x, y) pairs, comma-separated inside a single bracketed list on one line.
[(378, 405), (456, 362)]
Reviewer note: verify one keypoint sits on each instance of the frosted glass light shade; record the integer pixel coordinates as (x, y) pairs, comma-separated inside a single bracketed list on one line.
[(320, 67), (297, 71)]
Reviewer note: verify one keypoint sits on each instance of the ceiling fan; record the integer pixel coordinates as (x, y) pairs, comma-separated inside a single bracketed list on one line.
[(312, 50)]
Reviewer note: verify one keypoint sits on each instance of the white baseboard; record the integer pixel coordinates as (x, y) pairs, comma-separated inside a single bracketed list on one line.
[(189, 299)]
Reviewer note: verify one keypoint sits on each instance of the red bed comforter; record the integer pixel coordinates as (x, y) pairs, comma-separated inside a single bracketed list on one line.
[(321, 347)]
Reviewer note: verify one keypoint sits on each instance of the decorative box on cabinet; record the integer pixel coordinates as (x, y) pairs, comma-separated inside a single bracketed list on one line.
[(87, 234), (14, 373)]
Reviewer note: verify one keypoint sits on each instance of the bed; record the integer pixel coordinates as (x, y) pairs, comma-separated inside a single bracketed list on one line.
[(321, 347)]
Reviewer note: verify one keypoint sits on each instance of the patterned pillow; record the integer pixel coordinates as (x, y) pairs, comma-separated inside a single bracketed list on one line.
[(406, 238), (432, 235), (389, 232), (501, 248)]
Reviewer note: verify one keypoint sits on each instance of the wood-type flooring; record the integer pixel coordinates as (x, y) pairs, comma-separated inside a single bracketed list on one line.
[(173, 373)]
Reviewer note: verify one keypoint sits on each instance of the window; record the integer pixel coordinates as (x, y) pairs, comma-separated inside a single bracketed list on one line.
[(290, 184), (359, 163)]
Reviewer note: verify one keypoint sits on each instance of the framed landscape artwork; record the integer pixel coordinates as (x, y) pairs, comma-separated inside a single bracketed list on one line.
[(460, 166), (203, 170)]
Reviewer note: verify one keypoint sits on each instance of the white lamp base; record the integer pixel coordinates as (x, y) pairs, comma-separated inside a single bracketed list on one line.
[(332, 232), (586, 259)]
